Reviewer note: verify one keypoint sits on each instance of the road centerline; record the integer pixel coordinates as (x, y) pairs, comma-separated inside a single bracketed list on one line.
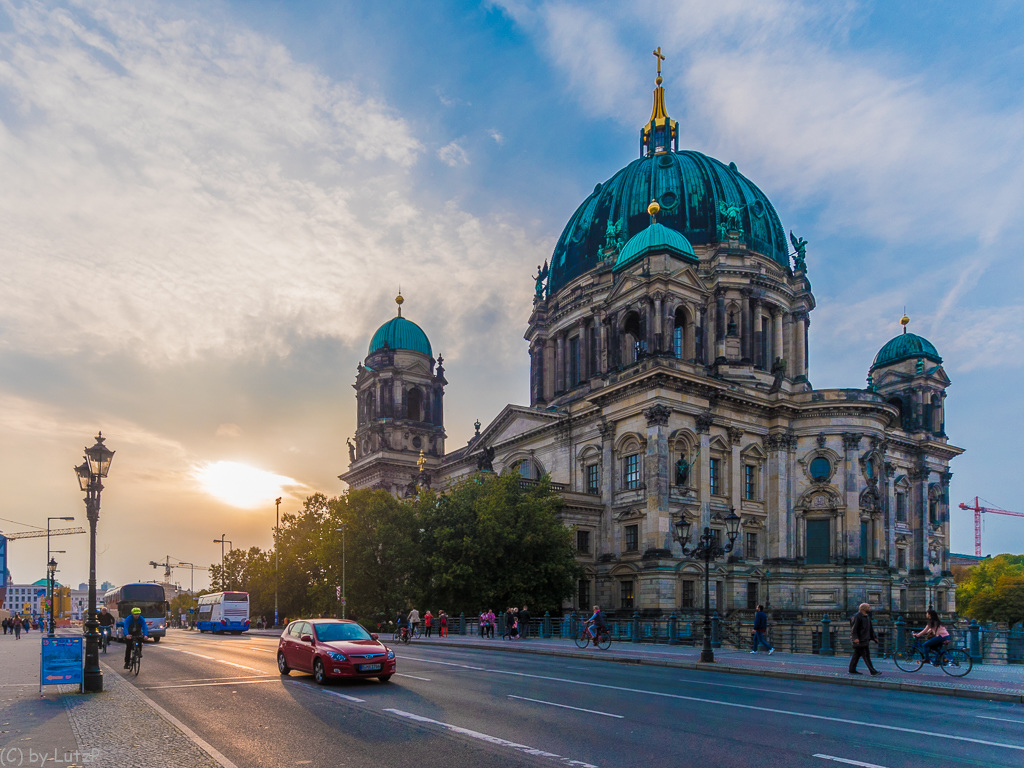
[(566, 706)]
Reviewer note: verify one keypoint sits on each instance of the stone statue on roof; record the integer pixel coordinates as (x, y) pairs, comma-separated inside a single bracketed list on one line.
[(541, 277), (800, 252)]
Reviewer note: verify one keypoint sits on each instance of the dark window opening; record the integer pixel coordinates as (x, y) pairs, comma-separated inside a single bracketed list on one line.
[(632, 538), (818, 550)]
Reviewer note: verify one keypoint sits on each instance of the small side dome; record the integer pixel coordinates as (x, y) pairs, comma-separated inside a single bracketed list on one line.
[(906, 346), (399, 333), (655, 239)]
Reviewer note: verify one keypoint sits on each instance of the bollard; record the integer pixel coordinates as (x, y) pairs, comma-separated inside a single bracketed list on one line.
[(826, 637), (901, 637), (636, 627), (716, 630), (462, 623), (673, 637), (975, 641), (547, 624), (501, 625)]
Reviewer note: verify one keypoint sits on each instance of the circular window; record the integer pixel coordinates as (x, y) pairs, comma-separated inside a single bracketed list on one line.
[(821, 468), (416, 442), (668, 200), (758, 208)]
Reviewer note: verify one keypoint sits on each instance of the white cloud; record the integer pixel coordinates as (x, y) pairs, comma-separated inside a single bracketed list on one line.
[(498, 136), (452, 154)]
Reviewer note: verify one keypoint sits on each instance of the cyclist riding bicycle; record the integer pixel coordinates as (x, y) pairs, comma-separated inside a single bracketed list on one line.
[(106, 623), (134, 630), (596, 621), (939, 635)]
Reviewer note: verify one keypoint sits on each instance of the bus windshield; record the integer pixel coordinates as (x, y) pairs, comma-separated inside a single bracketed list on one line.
[(150, 610)]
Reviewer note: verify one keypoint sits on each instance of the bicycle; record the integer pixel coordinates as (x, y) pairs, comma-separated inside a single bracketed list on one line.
[(955, 662), (603, 640), (104, 638), (136, 659)]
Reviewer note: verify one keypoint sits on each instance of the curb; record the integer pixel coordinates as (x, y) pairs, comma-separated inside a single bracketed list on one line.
[(962, 693)]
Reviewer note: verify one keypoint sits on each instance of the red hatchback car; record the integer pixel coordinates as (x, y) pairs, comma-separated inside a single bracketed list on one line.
[(333, 648)]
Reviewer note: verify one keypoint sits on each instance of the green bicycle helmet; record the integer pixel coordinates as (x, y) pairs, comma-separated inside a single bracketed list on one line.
[(136, 611)]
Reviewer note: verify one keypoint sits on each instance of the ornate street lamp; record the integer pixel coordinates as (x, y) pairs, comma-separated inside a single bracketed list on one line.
[(707, 549), (90, 476)]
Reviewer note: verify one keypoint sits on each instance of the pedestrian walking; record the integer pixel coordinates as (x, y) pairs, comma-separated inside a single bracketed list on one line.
[(428, 623), (524, 622), (483, 624), (760, 627), (443, 622), (17, 628), (492, 621), (862, 632)]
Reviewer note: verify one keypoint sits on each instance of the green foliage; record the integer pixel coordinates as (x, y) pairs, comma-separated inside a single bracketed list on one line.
[(489, 543), (992, 590)]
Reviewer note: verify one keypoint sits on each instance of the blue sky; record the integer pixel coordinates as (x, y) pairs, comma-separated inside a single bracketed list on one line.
[(208, 207)]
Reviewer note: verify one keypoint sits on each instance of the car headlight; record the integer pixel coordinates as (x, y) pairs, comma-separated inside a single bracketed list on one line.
[(336, 656), (391, 654)]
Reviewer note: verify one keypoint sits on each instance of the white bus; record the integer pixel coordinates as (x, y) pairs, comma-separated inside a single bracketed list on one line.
[(149, 597), (224, 612)]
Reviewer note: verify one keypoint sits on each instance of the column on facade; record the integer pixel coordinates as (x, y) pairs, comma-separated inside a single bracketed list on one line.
[(560, 363), (889, 474), (799, 344), (608, 482), (601, 329), (777, 348), (720, 324), (549, 369), (692, 312), (657, 342), (735, 469), (787, 344), (704, 430), (851, 492), (747, 333), (656, 478), (758, 343)]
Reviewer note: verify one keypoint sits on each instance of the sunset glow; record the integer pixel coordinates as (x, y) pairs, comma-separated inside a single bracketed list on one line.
[(241, 485)]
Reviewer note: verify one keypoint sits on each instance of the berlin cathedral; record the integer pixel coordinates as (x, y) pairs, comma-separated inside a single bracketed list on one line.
[(670, 383)]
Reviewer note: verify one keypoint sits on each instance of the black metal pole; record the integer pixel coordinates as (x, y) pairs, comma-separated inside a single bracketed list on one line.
[(93, 679), (707, 655)]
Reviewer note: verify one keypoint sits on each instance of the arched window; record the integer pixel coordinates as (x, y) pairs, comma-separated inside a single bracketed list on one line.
[(633, 338), (678, 334), (414, 405)]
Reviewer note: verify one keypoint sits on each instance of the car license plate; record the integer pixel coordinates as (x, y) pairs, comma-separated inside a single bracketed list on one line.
[(369, 667)]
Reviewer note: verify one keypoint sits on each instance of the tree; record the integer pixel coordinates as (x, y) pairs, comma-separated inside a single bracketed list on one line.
[(992, 590), (494, 541)]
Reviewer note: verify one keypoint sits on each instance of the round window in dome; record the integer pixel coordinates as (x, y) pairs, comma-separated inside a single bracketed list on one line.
[(821, 468), (758, 208), (669, 200)]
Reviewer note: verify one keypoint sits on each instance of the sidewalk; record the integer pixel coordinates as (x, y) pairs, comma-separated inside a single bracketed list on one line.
[(63, 728), (986, 681)]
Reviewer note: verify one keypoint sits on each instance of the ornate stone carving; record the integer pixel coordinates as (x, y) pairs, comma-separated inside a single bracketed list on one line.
[(790, 440), (774, 442), (851, 440), (821, 440), (735, 435), (606, 429), (703, 422), (890, 469), (657, 415)]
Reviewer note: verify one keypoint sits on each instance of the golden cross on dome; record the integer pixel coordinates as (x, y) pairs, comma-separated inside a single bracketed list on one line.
[(657, 54)]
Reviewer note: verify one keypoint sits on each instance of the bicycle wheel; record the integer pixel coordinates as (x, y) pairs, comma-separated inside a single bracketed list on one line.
[(604, 641), (136, 661), (406, 637), (582, 638), (908, 661), (956, 662)]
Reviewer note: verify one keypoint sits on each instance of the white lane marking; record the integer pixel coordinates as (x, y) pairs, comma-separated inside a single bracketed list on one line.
[(741, 687), (490, 739), (344, 696), (1004, 719), (565, 706), (848, 762), (399, 674), (734, 705), (220, 661), (193, 653), (240, 666), (202, 685)]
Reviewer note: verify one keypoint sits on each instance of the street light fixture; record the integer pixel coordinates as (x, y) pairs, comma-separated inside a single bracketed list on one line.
[(277, 561), (707, 549), (222, 541), (90, 479), (49, 560)]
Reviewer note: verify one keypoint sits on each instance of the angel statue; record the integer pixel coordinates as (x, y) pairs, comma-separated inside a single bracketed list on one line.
[(540, 277), (731, 223), (800, 248)]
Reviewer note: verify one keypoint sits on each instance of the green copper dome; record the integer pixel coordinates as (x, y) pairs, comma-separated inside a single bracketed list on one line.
[(906, 346), (696, 194), (399, 333), (655, 239)]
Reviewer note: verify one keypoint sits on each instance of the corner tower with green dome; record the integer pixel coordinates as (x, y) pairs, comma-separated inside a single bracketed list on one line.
[(399, 387)]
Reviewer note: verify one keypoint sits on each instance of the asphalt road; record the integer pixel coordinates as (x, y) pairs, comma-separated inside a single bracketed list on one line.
[(474, 707)]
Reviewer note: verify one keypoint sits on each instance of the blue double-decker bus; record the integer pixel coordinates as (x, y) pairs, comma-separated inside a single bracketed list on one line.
[(224, 612)]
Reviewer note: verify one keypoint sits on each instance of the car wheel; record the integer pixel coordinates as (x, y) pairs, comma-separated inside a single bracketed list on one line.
[(282, 665), (384, 678), (156, 639), (319, 673)]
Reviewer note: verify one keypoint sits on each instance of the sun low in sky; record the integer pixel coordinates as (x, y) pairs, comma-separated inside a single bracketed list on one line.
[(241, 485)]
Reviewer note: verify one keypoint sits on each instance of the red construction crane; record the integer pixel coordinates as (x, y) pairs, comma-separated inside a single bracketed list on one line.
[(978, 509)]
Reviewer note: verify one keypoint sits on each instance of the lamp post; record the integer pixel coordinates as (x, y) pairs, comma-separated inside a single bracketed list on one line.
[(51, 569), (90, 479), (49, 560), (707, 549), (343, 600), (222, 540), (277, 561)]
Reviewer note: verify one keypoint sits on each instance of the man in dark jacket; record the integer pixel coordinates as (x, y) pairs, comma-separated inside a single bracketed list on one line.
[(760, 627), (524, 622), (862, 632)]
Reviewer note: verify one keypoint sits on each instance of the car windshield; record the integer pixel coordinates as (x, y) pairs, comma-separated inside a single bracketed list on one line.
[(329, 633)]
